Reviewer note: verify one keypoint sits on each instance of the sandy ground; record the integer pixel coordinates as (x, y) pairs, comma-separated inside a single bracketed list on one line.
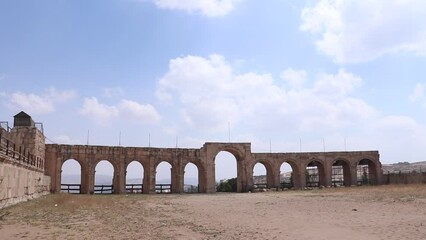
[(384, 212)]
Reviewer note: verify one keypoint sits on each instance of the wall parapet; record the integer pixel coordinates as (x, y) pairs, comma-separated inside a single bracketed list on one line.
[(19, 155)]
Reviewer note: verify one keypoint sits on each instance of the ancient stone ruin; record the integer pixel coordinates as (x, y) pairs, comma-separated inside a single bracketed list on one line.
[(23, 152)]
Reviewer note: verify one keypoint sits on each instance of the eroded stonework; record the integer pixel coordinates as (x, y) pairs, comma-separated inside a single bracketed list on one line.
[(204, 158)]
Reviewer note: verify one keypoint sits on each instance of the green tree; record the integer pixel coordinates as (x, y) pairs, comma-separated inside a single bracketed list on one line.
[(227, 185)]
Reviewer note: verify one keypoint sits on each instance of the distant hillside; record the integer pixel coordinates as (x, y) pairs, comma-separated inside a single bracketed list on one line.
[(404, 167)]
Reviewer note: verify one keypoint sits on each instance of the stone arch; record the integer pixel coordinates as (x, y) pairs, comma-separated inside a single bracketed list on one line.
[(134, 186), (341, 173), (239, 172), (72, 185), (165, 187), (193, 188), (367, 172), (201, 168), (294, 179), (105, 188), (315, 173), (238, 154), (112, 162), (160, 160), (269, 171)]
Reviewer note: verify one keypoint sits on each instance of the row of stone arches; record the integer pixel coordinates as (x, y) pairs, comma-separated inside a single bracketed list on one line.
[(314, 175), (226, 168), (72, 174)]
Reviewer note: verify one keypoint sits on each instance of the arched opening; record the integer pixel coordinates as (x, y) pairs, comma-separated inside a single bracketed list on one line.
[(71, 177), (366, 172), (314, 174), (340, 174), (134, 177), (260, 178), (163, 178), (191, 178), (286, 176), (226, 175), (104, 178)]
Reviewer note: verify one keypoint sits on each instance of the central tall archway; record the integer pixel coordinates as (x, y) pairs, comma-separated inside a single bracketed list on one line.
[(226, 172)]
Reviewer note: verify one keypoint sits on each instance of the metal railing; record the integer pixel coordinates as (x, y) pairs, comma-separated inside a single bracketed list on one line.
[(134, 188), (19, 155), (163, 188), (5, 126), (103, 189), (71, 188)]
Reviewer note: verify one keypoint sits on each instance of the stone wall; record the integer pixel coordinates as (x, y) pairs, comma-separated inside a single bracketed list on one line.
[(22, 153), (204, 159), (18, 183), (405, 178), (29, 137)]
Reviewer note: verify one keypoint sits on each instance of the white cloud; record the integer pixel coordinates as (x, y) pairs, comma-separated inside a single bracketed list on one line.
[(209, 8), (38, 104), (351, 31), (295, 79), (138, 112), (209, 95), (130, 110), (336, 85), (418, 94), (98, 112)]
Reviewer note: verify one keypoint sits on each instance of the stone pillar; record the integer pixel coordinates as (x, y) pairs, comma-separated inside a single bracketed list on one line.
[(120, 178), (299, 178), (180, 175), (146, 178), (202, 180), (174, 179), (209, 164), (249, 176), (51, 167), (118, 181), (55, 180), (91, 180), (347, 175), (241, 176), (379, 173), (85, 182), (353, 169), (275, 176), (327, 174), (151, 176)]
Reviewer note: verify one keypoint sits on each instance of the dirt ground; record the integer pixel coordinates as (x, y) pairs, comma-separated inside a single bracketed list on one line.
[(383, 212)]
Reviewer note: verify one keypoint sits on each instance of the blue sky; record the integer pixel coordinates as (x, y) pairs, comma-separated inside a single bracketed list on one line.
[(277, 71)]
